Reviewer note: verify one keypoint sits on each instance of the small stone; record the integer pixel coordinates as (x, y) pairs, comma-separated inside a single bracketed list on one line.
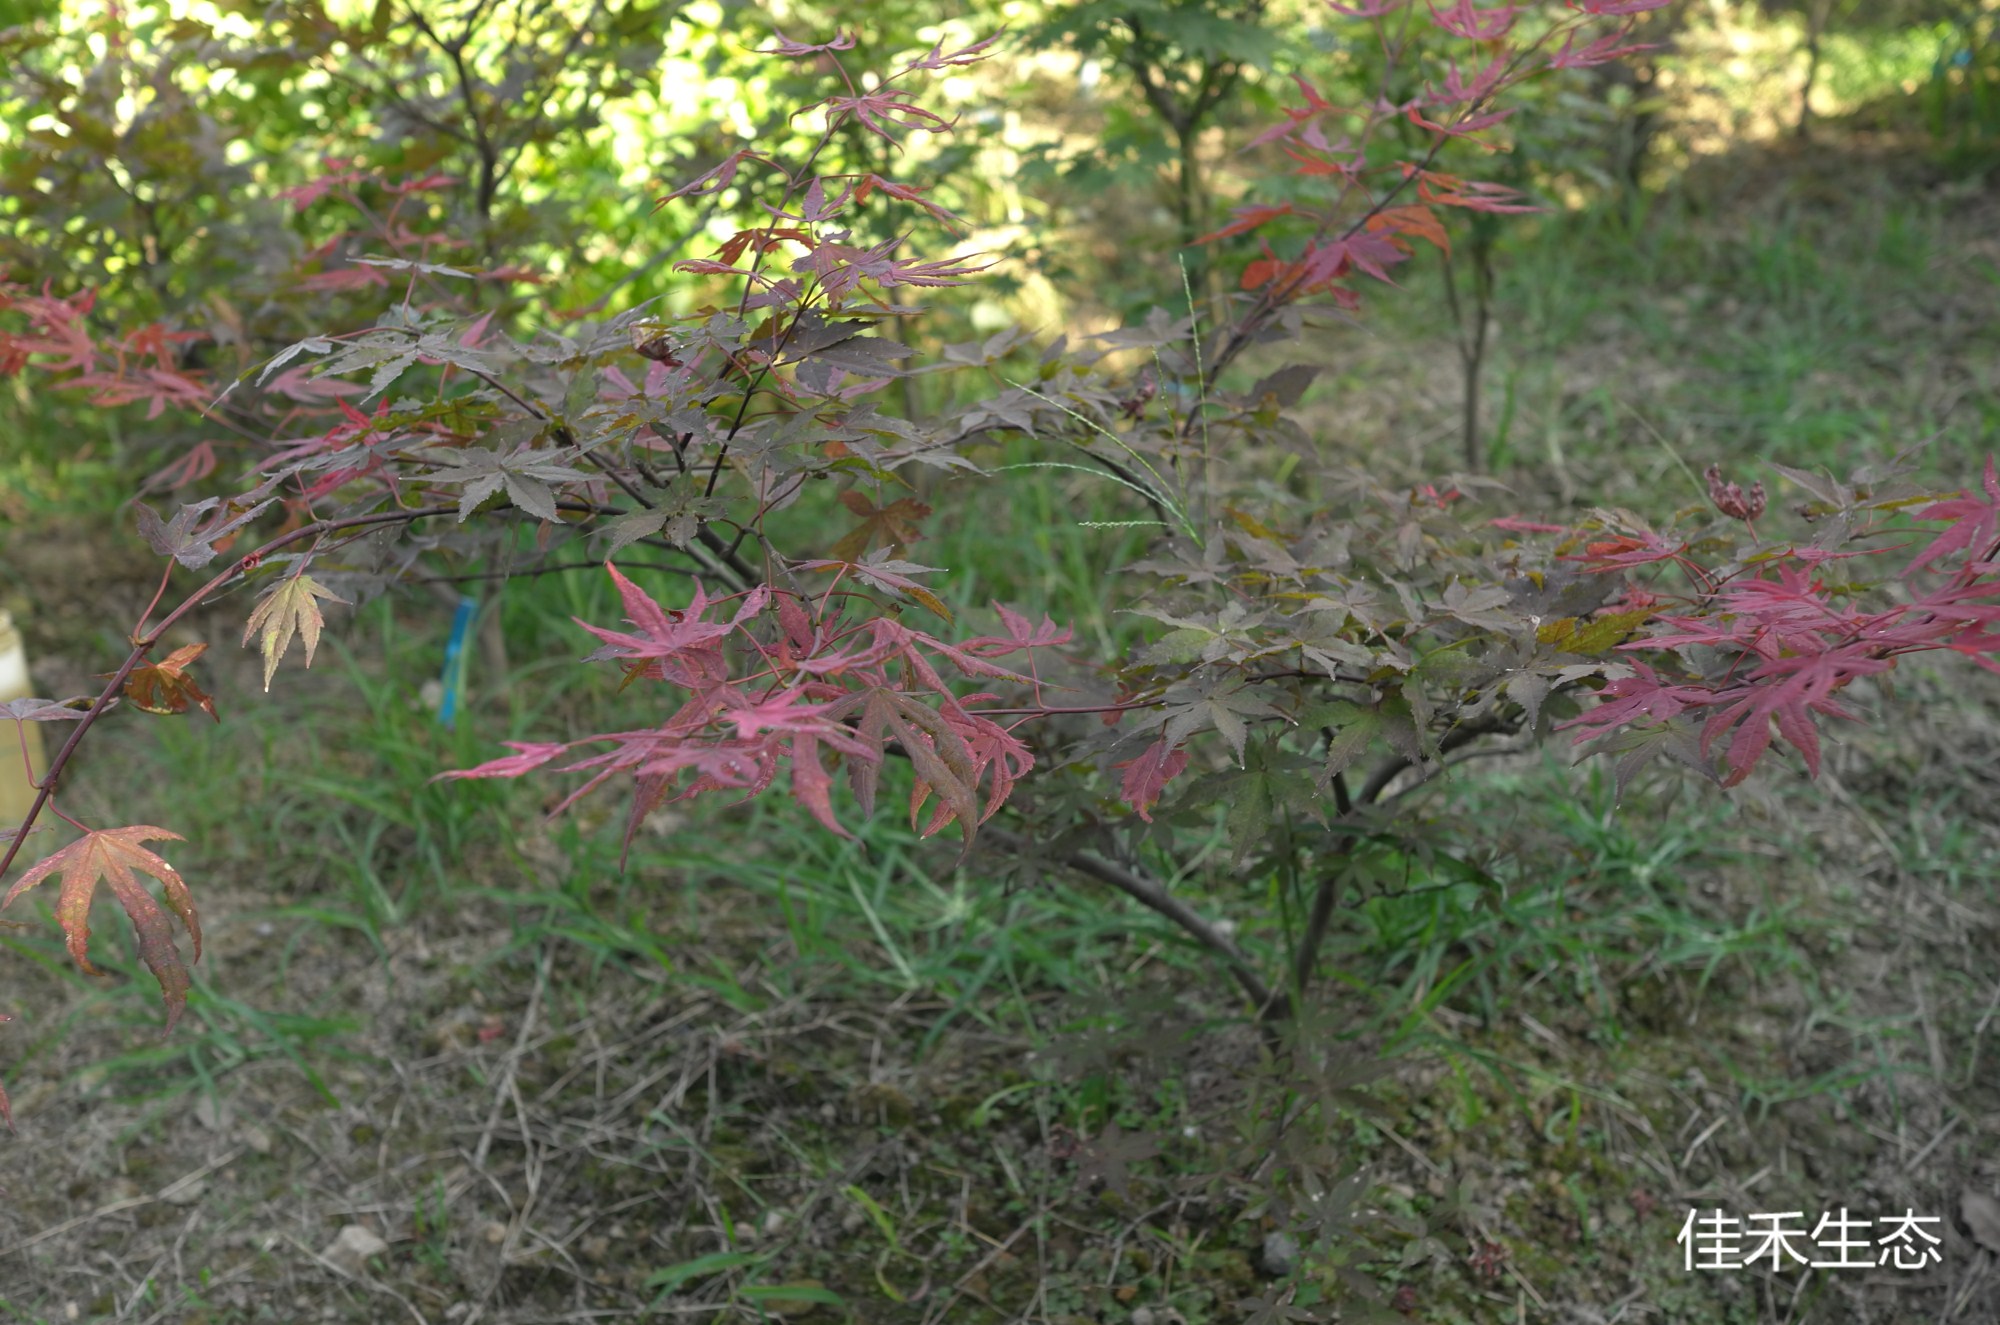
[(212, 1113), (1981, 1215), (255, 1137), (1142, 1316), (774, 1223), (494, 1232), (352, 1247), (185, 1193), (1280, 1255)]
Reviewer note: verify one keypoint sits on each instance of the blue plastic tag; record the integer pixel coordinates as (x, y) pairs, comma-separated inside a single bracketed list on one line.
[(454, 659)]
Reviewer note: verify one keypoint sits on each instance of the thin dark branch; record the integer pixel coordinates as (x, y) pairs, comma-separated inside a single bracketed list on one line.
[(551, 568), (1327, 894), (1155, 897), (141, 646), (1139, 57)]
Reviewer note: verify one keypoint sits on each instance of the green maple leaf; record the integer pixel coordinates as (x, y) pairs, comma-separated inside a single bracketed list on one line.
[(1355, 729), (525, 475), (1678, 739), (289, 609), (1194, 706), (1272, 781)]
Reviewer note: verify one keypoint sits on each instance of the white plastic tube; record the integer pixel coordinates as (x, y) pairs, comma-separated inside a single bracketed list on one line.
[(17, 782)]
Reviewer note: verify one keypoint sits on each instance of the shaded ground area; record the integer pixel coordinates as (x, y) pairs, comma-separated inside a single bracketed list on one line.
[(446, 1063)]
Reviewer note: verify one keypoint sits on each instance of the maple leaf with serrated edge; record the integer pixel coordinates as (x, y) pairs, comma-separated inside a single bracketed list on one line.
[(45, 710), (179, 539), (1636, 747), (1148, 774), (675, 645), (525, 475), (112, 855), (1021, 634), (1271, 783), (994, 748), (1624, 699), (904, 192), (1627, 551), (893, 525), (1189, 707), (942, 762), (527, 756), (290, 608), (1975, 523), (1788, 691), (1415, 220), (884, 572), (165, 687)]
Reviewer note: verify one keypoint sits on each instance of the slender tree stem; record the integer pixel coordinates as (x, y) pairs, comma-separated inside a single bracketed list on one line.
[(142, 645)]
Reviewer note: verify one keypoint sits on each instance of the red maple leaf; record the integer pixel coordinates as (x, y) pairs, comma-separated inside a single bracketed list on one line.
[(165, 687), (1021, 634), (1147, 775), (881, 113), (1641, 695), (159, 387), (1789, 691), (1975, 524), (1601, 51), (1248, 219), (527, 756), (112, 855), (786, 46), (673, 645), (1464, 20)]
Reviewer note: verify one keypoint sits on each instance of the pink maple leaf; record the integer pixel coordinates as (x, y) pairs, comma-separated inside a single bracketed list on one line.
[(1148, 774), (1474, 24), (1021, 634), (1601, 51), (786, 46), (939, 58), (1975, 523), (1789, 691), (527, 756), (1617, 7), (1642, 695), (667, 635)]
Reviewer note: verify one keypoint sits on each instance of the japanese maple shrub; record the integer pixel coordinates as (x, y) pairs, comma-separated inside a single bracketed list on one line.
[(1330, 640)]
